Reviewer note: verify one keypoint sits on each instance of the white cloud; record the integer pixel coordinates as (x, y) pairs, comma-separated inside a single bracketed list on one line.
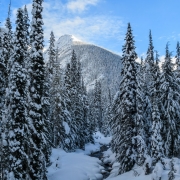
[(90, 28), (80, 5), (85, 28)]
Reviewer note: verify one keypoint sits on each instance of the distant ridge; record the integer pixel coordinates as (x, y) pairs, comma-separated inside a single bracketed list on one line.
[(97, 63)]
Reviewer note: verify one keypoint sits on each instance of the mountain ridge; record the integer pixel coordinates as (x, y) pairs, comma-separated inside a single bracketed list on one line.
[(97, 63)]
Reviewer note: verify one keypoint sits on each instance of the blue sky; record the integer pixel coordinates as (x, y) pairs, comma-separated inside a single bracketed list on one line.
[(104, 22)]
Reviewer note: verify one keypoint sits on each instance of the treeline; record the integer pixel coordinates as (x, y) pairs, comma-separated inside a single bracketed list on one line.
[(41, 106), (145, 114)]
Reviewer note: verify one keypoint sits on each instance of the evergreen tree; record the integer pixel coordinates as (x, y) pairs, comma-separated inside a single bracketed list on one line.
[(108, 115), (178, 57), (170, 100), (149, 65), (97, 106), (139, 139), (57, 107), (2, 100), (87, 126), (26, 26), (48, 99), (8, 37), (156, 140), (124, 119), (140, 101), (177, 71), (67, 113), (3, 52), (77, 113), (17, 125), (37, 164)]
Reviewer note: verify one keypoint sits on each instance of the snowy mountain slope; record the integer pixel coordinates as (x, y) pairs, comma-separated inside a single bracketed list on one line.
[(97, 63)]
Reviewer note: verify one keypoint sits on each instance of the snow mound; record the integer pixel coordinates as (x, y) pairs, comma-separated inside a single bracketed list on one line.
[(78, 165), (73, 166)]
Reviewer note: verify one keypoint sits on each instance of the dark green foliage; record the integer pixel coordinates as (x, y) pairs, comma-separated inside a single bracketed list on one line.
[(97, 106), (17, 124), (125, 112), (170, 100), (156, 139), (35, 111), (149, 66)]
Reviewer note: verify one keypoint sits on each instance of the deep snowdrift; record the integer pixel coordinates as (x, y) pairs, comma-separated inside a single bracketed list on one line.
[(77, 165), (80, 166)]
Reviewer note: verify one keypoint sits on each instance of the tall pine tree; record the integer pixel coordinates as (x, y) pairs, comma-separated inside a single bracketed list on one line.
[(37, 164), (156, 139), (170, 100), (17, 125), (124, 119), (149, 64)]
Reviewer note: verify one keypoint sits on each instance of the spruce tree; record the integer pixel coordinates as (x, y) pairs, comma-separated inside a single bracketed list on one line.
[(57, 109), (88, 130), (156, 139), (97, 104), (37, 164), (77, 113), (108, 115), (26, 26), (178, 57), (3, 69), (177, 71), (124, 119), (68, 113), (149, 65), (8, 37), (139, 139), (170, 100), (140, 96), (2, 100), (17, 125)]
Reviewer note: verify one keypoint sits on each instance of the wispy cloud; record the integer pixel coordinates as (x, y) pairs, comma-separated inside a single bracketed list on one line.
[(89, 28), (80, 5)]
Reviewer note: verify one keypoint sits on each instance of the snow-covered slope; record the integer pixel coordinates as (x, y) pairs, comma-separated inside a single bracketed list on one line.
[(97, 63)]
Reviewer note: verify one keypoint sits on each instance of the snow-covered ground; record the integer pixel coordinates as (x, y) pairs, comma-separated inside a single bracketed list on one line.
[(77, 165)]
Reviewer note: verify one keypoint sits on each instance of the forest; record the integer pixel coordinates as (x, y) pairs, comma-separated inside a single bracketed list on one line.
[(46, 109)]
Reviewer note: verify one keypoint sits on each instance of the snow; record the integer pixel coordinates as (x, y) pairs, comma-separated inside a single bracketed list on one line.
[(97, 63), (66, 127), (78, 165)]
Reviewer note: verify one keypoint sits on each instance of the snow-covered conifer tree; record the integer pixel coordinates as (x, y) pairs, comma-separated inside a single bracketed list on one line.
[(97, 106), (2, 98), (149, 64), (16, 113), (108, 115), (37, 164), (178, 57), (8, 37), (58, 106), (125, 113), (177, 71), (26, 26), (156, 139), (139, 139), (170, 101)]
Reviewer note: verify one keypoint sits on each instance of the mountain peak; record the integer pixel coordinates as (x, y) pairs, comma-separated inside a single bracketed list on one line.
[(68, 40)]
